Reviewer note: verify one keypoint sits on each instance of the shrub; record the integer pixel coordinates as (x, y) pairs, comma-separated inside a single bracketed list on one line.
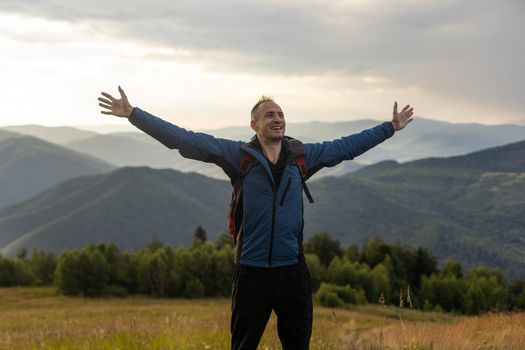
[(331, 300), (194, 289), (345, 294), (82, 273), (14, 273), (114, 291)]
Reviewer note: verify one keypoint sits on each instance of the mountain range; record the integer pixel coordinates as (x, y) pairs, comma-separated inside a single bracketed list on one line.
[(467, 207), (130, 206), (423, 138), (29, 165)]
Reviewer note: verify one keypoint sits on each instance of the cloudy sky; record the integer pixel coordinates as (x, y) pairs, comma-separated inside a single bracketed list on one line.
[(203, 64)]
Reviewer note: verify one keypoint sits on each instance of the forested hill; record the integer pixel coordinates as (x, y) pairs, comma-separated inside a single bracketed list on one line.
[(469, 207), (130, 206)]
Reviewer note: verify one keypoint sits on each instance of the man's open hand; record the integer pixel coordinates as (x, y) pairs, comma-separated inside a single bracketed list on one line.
[(119, 107), (401, 119)]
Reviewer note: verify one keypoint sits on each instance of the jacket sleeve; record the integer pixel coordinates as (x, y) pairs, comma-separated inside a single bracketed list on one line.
[(193, 145), (331, 153)]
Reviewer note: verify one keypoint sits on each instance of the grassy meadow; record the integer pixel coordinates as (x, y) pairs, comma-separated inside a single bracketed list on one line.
[(38, 318)]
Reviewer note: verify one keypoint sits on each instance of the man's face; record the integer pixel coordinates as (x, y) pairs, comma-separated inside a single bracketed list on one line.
[(269, 122)]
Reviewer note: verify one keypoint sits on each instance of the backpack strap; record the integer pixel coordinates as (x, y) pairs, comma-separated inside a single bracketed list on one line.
[(246, 164), (296, 149), (301, 164), (235, 212)]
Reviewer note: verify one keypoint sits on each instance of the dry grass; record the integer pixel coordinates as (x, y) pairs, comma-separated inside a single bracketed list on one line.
[(36, 318), (490, 331)]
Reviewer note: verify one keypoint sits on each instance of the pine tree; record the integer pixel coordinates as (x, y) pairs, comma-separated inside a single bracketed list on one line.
[(200, 234)]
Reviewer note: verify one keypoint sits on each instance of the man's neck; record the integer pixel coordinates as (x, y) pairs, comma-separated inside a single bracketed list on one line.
[(271, 149)]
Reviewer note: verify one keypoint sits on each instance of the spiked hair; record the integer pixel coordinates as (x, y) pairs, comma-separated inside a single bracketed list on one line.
[(262, 99)]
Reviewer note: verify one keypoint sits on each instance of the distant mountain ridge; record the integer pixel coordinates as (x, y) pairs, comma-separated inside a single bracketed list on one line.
[(467, 207), (506, 158), (125, 149), (55, 134), (29, 165), (421, 139)]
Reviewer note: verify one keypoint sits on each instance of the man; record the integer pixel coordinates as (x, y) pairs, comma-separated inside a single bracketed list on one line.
[(270, 272)]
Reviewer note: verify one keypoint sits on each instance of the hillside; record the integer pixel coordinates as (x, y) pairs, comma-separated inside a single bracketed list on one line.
[(130, 206), (135, 149), (29, 165), (468, 207)]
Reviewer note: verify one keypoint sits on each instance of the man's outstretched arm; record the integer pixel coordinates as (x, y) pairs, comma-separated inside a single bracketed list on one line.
[(331, 153), (193, 145)]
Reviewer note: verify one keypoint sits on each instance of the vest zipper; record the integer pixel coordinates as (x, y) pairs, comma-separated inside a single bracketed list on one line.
[(273, 229), (285, 191)]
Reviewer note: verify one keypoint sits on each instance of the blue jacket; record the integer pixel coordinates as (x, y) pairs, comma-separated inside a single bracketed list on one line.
[(272, 217)]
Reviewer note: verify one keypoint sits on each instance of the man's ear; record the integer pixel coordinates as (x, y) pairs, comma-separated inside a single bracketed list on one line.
[(253, 125)]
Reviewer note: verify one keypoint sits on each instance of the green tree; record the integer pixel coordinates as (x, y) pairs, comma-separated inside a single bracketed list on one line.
[(374, 252), (381, 282), (425, 265), (324, 246), (453, 268), (14, 273), (224, 239), (447, 291), (193, 289), (202, 266), (484, 271), (200, 234), (154, 245), (95, 272), (118, 272), (317, 271), (342, 271), (223, 270), (67, 276), (82, 273), (156, 272), (517, 292), (475, 300), (345, 294), (42, 266), (352, 252), (21, 254)]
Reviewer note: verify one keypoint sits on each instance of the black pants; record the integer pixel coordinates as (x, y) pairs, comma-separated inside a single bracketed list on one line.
[(257, 291)]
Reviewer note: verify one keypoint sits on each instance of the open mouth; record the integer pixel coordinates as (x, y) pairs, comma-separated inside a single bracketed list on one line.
[(277, 128)]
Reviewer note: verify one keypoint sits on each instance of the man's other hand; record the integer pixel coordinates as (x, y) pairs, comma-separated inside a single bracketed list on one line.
[(401, 119), (119, 107)]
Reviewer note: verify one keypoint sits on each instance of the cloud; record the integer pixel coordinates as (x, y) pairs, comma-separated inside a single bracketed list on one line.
[(467, 50)]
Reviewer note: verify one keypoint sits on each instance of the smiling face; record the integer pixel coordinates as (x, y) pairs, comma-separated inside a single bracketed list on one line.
[(268, 122)]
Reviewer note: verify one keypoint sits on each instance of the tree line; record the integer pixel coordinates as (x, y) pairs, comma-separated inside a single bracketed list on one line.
[(376, 272)]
